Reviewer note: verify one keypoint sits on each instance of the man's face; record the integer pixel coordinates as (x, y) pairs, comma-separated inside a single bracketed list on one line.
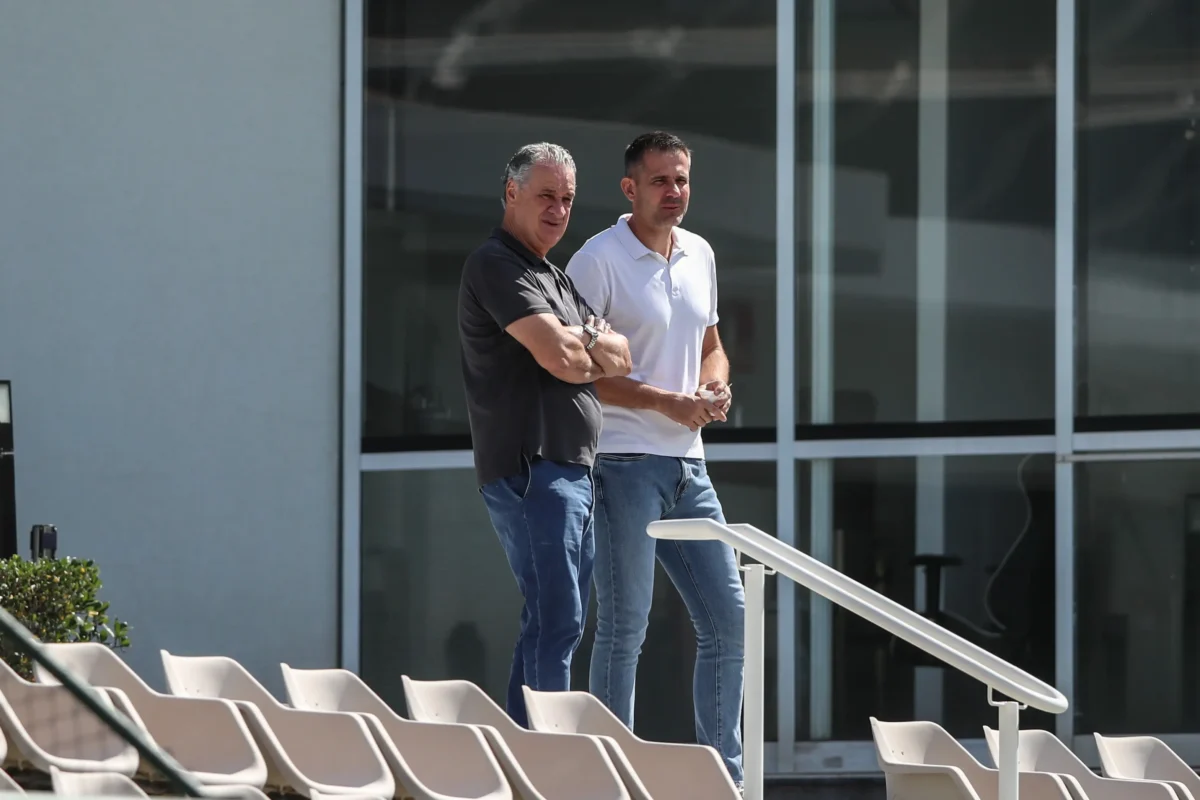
[(541, 208), (659, 188)]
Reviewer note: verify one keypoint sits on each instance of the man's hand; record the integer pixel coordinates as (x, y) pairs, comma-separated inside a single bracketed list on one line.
[(611, 352), (599, 324), (691, 411), (723, 392)]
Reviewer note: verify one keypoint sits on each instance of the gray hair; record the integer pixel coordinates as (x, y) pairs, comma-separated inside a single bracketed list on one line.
[(531, 155)]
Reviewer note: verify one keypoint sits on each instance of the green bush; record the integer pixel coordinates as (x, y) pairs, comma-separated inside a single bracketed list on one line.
[(56, 600)]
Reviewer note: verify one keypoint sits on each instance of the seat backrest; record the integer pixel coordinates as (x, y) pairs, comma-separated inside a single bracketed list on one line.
[(93, 784), (574, 712), (919, 743), (331, 690), (94, 664), (454, 701), (56, 720), (10, 678), (1165, 764), (1128, 757), (214, 676), (1040, 751)]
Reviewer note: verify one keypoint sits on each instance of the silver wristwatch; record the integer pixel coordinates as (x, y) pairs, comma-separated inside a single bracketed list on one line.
[(595, 334)]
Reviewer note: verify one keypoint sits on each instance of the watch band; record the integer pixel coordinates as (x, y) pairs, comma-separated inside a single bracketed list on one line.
[(595, 334)]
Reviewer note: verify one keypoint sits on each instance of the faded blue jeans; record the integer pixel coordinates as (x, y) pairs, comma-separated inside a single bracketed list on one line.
[(544, 518), (631, 492)]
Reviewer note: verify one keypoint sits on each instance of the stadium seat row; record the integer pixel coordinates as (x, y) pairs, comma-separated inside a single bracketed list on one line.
[(922, 760), (335, 738)]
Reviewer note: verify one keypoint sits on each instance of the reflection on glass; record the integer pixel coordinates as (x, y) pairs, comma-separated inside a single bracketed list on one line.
[(438, 599), (1139, 210), (984, 527), (1138, 550), (941, 302), (452, 90)]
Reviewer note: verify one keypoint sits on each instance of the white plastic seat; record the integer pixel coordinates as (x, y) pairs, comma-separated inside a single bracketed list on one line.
[(1147, 758), (94, 784), (1042, 751), (650, 769), (48, 727), (540, 766), (306, 751), (227, 791), (322, 796), (207, 736), (431, 761), (7, 784), (110, 784), (921, 761)]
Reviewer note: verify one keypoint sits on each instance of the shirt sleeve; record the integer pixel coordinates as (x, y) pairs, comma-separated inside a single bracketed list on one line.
[(713, 316), (505, 290), (590, 282)]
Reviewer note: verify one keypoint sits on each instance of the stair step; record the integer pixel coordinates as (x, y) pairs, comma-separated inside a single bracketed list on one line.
[(825, 789)]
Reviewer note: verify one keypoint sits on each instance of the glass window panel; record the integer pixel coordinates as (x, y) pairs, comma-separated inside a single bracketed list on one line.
[(990, 520), (942, 299), (1139, 210), (452, 90), (1138, 576), (439, 601)]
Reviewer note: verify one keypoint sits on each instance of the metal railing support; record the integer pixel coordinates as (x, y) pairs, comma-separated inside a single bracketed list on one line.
[(1010, 711), (774, 556), (753, 702)]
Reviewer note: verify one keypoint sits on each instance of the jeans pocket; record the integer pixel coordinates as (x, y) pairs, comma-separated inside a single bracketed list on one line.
[(516, 486), (622, 457), (520, 483)]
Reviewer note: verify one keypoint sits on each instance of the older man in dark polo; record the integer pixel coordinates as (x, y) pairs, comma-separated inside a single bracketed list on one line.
[(531, 348)]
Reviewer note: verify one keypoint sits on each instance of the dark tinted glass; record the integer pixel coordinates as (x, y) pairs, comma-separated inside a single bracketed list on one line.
[(1139, 214), (453, 88), (940, 304)]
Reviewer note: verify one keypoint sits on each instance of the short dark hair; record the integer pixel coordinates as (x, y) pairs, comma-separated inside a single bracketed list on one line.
[(656, 141)]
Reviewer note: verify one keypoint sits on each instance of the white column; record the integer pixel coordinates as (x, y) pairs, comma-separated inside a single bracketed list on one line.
[(1009, 788), (821, 493), (932, 143), (752, 728), (785, 368), (1064, 366)]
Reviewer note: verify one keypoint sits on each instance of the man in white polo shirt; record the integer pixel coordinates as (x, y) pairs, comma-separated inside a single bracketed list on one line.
[(657, 284)]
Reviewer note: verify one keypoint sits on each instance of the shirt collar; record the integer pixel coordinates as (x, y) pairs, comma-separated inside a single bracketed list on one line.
[(634, 245), (515, 244)]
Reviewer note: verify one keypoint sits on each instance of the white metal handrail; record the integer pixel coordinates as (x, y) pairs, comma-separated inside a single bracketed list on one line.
[(770, 553)]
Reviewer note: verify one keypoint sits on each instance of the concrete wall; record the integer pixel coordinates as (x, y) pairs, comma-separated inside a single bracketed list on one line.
[(169, 311)]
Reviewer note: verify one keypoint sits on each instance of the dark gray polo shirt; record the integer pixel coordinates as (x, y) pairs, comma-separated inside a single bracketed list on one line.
[(517, 409)]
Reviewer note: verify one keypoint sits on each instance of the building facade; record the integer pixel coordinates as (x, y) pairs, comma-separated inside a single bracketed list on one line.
[(170, 273), (957, 248), (959, 284)]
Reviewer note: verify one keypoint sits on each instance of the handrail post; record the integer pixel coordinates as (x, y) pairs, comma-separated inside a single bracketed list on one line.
[(755, 677), (1010, 711)]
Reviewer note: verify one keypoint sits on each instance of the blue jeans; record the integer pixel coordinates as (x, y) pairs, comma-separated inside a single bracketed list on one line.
[(544, 518), (631, 492)]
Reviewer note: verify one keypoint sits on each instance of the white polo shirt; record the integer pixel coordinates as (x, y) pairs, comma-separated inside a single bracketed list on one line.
[(663, 307)]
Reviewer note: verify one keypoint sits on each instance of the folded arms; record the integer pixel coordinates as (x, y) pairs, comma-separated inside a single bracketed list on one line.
[(562, 350)]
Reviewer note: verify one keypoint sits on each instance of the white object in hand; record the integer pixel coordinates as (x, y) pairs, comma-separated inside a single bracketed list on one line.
[(709, 394)]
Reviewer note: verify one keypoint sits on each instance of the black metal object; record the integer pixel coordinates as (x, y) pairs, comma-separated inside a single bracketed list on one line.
[(8, 482), (43, 542), (989, 639), (90, 697)]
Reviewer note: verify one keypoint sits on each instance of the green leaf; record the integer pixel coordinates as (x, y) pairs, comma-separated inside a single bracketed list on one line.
[(56, 599)]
